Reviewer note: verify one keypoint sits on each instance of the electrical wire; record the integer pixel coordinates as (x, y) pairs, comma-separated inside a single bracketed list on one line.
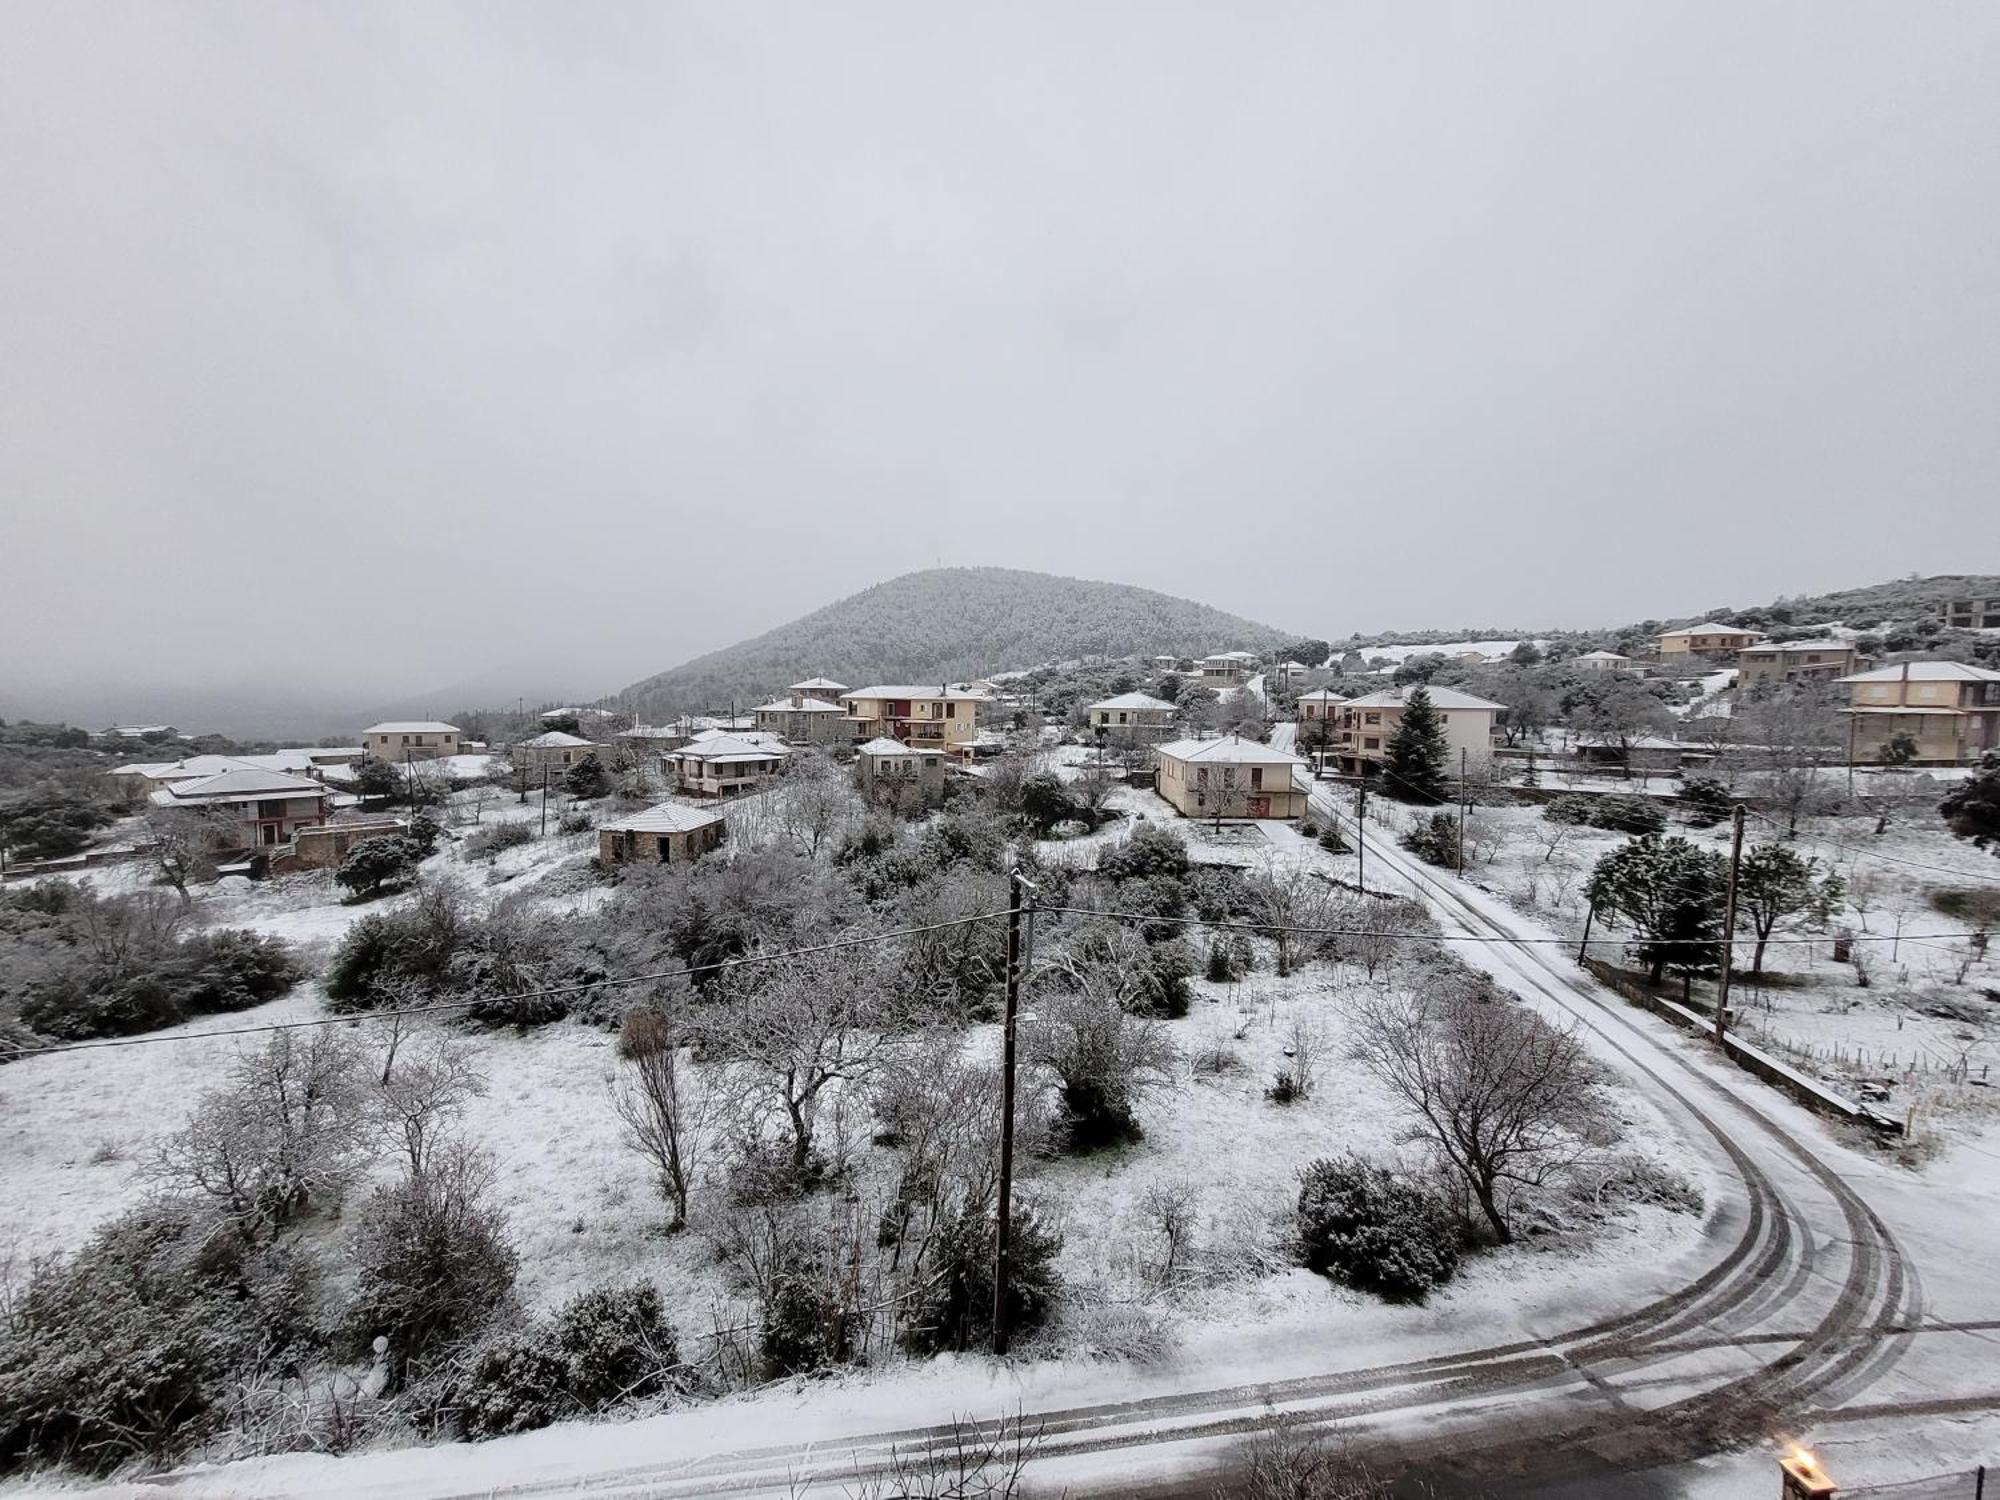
[(1862, 853)]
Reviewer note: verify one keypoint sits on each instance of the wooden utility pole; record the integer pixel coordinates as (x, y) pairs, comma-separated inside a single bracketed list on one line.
[(1361, 836), (545, 801), (1729, 924), (1464, 797), (1584, 946), (1004, 1227)]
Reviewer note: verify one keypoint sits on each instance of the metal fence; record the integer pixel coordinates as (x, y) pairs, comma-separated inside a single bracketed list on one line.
[(1964, 1484)]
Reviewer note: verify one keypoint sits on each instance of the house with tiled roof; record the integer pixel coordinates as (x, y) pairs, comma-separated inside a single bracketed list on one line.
[(412, 739), (669, 834), (253, 809), (1138, 716), (554, 752), (1230, 777), (1943, 712), (809, 714), (723, 765), (934, 716), (1366, 724)]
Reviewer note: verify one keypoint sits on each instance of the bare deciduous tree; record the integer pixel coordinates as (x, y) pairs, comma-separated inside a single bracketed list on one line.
[(1290, 900), (1503, 1098), (421, 1093), (184, 840), (1102, 1057), (666, 1119), (287, 1130)]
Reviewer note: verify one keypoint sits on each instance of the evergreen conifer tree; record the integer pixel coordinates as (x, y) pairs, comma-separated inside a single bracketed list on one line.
[(1416, 769)]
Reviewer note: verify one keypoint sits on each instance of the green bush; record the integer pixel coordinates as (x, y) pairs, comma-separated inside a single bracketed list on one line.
[(388, 859), (954, 1309), (1152, 850), (1707, 800), (488, 842), (1375, 1230), (1568, 809), (604, 1346), (1435, 840), (128, 1348), (49, 822), (1634, 815)]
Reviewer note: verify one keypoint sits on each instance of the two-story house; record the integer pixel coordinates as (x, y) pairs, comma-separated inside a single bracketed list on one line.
[(1319, 706), (810, 714), (1708, 639), (1230, 778), (899, 776), (1138, 716), (1949, 711), (1226, 669), (252, 809), (723, 765), (934, 717), (554, 752), (1367, 724), (1970, 614), (422, 739), (1794, 661)]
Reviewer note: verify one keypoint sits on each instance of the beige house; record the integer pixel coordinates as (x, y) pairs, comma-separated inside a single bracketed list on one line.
[(1949, 709), (1367, 724), (1708, 639), (1226, 669), (934, 718), (422, 739), (1230, 778), (669, 834), (806, 717), (252, 809), (1601, 661), (824, 689), (900, 776), (723, 765), (1319, 706), (1138, 716), (324, 847), (1795, 661), (1970, 614), (143, 777), (554, 752)]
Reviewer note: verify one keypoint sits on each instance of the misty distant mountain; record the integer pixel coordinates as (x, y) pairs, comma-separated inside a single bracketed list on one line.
[(946, 624)]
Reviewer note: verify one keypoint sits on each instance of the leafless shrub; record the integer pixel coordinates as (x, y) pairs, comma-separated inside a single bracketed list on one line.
[(1289, 1459), (1172, 1211), (417, 1100), (967, 1461), (666, 1121)]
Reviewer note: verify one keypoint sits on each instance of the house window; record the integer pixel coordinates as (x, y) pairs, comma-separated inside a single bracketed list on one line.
[(1371, 718), (1371, 743), (1256, 778)]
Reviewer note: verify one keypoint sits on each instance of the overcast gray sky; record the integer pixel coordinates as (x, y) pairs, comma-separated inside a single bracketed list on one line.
[(378, 346)]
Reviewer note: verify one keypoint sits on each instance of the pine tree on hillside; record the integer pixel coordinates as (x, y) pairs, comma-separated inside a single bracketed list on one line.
[(1416, 767)]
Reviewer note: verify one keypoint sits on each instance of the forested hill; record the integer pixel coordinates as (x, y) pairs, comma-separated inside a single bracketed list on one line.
[(1899, 600), (948, 624)]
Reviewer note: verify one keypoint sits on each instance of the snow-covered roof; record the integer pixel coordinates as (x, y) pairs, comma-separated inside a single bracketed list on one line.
[(1926, 671), (1249, 656), (557, 739), (193, 767), (1441, 697), (746, 736), (917, 690), (668, 817), (1144, 702), (412, 726), (883, 745), (1230, 750), (819, 684), (786, 706), (728, 747), (1321, 695), (237, 785), (1602, 656), (1708, 627), (1819, 645)]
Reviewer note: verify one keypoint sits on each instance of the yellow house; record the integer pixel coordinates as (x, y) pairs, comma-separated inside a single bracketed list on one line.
[(1950, 711), (425, 739), (1708, 639), (1795, 661), (1230, 778), (932, 718)]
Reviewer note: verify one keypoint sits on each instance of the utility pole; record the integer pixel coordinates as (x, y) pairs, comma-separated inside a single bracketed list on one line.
[(1729, 923), (545, 802), (1361, 836), (1003, 1232), (1584, 946), (1464, 802)]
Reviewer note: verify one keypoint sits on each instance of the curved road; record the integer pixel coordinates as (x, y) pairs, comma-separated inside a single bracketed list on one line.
[(1805, 1300)]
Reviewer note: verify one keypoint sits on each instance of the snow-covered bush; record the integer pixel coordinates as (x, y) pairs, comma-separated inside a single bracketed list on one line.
[(1435, 840), (604, 1346), (1374, 1229), (954, 1308), (388, 859), (1568, 809), (488, 842), (1636, 815), (128, 1348), (433, 1264)]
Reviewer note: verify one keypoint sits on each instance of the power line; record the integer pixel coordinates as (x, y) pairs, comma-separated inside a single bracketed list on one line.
[(1893, 859)]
